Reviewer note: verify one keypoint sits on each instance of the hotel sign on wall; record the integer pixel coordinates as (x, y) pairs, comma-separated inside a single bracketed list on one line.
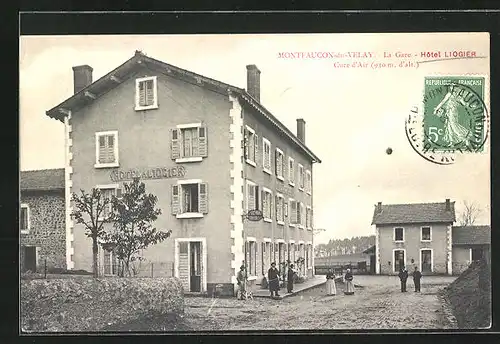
[(148, 173)]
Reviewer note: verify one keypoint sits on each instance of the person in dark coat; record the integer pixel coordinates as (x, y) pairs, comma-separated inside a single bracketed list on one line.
[(273, 276), (417, 275), (290, 277), (403, 276)]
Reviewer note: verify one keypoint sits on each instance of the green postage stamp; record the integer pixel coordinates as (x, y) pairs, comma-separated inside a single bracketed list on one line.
[(454, 114)]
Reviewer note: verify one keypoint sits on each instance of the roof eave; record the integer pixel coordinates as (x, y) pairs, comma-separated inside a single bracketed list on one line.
[(42, 189), (257, 105)]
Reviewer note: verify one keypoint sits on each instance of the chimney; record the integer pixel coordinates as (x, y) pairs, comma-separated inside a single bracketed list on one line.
[(82, 77), (448, 207), (301, 130), (379, 207), (253, 81)]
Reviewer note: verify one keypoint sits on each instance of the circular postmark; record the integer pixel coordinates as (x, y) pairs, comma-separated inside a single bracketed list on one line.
[(452, 119)]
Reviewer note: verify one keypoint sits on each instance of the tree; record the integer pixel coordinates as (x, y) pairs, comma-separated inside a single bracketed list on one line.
[(133, 215), (92, 211), (469, 214)]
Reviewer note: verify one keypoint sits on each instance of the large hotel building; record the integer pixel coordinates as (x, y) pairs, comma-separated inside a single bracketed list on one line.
[(209, 151)]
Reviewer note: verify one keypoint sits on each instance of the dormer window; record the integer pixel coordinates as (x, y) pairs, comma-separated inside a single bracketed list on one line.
[(146, 95)]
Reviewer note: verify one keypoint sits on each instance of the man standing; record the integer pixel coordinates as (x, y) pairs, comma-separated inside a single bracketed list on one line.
[(403, 276), (241, 278), (417, 275), (274, 280), (290, 277)]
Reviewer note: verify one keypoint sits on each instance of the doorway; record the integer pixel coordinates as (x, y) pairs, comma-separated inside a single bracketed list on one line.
[(476, 254), (399, 260), (190, 263), (29, 258), (195, 268), (426, 261)]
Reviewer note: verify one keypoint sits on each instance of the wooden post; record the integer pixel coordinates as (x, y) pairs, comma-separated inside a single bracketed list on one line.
[(45, 268), (152, 270)]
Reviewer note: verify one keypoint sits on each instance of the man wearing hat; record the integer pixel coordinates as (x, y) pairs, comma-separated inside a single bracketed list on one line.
[(273, 278), (241, 278)]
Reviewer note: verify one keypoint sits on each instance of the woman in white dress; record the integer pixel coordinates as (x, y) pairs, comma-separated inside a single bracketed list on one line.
[(349, 285), (330, 283)]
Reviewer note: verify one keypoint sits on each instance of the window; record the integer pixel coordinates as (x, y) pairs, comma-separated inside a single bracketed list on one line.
[(252, 199), (251, 146), (111, 264), (291, 252), (308, 182), (293, 212), (309, 222), (301, 177), (280, 209), (425, 234), (266, 155), (300, 214), (251, 256), (107, 191), (399, 260), (267, 198), (280, 164), (25, 219), (106, 143), (263, 257), (189, 142), (399, 234), (146, 94), (291, 171), (426, 260), (189, 199)]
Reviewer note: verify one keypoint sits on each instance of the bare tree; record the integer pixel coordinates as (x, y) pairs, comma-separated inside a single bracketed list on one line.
[(469, 214)]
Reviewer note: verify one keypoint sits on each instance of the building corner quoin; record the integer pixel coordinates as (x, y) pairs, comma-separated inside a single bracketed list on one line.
[(236, 187), (68, 183)]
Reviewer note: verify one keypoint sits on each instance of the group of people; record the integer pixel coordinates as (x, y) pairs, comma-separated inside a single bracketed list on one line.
[(331, 288), (403, 277), (273, 278)]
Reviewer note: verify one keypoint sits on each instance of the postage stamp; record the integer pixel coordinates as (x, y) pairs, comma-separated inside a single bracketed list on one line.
[(453, 118)]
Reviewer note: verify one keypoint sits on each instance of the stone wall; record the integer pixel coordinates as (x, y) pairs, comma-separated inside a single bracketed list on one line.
[(47, 228)]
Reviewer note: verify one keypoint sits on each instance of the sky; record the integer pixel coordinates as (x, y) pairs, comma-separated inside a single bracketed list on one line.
[(352, 114)]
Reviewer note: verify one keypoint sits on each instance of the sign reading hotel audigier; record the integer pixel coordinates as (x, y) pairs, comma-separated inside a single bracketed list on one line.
[(148, 173)]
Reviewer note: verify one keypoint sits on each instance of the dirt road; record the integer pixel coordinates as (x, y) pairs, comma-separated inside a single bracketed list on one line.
[(379, 305)]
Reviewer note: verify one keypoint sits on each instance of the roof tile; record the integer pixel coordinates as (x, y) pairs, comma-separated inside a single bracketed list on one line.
[(414, 213), (52, 179), (471, 235)]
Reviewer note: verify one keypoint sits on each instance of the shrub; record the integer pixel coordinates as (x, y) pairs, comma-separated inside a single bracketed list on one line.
[(87, 304)]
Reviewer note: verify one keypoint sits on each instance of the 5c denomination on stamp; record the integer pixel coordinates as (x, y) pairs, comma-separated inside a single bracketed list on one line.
[(453, 119)]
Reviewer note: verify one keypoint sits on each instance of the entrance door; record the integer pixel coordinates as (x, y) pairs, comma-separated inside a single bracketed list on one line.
[(29, 258), (190, 262), (477, 254), (372, 264), (399, 260), (195, 268), (426, 260)]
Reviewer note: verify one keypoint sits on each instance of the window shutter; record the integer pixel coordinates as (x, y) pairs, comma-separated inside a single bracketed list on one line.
[(119, 193), (276, 203), (102, 148), (150, 96), (203, 198), (174, 143), (175, 199), (142, 94), (257, 198), (256, 148), (293, 206), (262, 197), (202, 142), (111, 148), (246, 144)]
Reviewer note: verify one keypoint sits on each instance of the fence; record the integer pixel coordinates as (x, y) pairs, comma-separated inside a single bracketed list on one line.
[(340, 268), (138, 269)]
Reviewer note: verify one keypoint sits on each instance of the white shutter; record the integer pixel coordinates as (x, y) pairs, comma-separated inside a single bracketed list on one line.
[(202, 142), (203, 198)]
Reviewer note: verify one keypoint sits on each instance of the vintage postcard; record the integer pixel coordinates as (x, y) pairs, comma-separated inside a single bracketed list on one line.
[(196, 183)]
